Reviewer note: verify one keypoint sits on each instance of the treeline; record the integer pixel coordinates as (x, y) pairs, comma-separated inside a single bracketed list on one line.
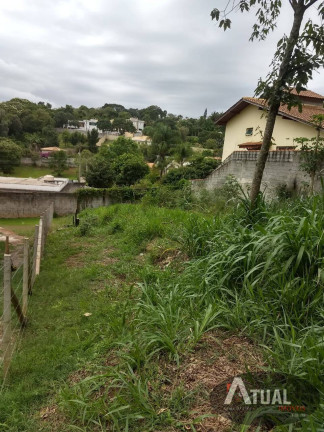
[(26, 127), (22, 119)]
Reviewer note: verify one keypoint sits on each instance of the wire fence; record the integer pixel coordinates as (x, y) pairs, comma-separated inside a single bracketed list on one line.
[(18, 283)]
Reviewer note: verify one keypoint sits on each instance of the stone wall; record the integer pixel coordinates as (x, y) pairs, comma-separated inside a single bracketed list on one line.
[(282, 168)]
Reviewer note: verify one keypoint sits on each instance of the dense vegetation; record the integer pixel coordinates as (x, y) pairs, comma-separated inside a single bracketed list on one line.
[(26, 127), (180, 276)]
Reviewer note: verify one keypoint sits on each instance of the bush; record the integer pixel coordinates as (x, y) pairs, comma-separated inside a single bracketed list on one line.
[(164, 196), (203, 166), (87, 223), (174, 177), (231, 188), (283, 193)]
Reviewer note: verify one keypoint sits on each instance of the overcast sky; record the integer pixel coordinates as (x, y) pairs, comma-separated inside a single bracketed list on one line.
[(133, 52)]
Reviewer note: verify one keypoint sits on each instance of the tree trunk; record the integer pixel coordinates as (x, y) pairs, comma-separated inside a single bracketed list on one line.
[(274, 104), (312, 183), (316, 151)]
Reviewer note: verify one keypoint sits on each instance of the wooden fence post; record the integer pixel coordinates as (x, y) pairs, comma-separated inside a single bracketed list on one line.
[(39, 245), (6, 339), (43, 218), (7, 245), (33, 276), (51, 214), (25, 276)]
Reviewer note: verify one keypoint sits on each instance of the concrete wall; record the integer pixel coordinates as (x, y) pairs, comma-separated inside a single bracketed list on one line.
[(32, 204), (285, 131), (43, 162), (282, 167)]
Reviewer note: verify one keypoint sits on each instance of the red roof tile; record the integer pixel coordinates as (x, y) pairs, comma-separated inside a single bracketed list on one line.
[(306, 116), (307, 93)]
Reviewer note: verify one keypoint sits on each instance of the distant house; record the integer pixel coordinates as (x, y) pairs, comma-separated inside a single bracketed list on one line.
[(88, 125), (245, 123), (143, 139), (138, 124), (46, 152), (175, 165)]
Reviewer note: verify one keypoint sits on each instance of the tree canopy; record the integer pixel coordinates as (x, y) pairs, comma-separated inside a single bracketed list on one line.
[(10, 154), (121, 162)]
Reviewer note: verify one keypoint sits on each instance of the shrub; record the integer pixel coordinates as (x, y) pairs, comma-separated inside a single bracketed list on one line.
[(87, 222), (231, 188), (170, 197), (282, 192)]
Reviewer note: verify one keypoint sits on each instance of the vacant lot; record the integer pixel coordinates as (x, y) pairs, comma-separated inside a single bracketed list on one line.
[(141, 311)]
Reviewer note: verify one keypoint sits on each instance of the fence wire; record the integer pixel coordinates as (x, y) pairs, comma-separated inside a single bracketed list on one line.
[(16, 328)]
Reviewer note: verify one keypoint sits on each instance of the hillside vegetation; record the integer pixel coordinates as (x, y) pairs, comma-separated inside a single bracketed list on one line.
[(141, 309)]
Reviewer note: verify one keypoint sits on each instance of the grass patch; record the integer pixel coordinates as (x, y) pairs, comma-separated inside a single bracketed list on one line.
[(26, 226), (93, 274), (35, 172), (20, 226)]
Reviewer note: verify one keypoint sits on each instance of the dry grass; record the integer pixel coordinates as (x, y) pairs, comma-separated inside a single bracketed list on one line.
[(217, 357)]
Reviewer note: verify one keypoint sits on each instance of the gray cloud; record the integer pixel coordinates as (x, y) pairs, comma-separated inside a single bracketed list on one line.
[(136, 53)]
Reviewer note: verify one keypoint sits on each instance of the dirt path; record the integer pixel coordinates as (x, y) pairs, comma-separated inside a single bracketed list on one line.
[(13, 237), (16, 241)]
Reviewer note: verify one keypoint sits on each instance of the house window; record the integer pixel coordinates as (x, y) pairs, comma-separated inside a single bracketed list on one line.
[(249, 131)]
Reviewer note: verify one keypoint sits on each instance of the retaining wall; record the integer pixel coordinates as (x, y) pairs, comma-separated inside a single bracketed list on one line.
[(282, 168)]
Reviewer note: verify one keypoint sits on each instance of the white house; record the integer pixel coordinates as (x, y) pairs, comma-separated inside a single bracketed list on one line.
[(88, 125), (138, 124)]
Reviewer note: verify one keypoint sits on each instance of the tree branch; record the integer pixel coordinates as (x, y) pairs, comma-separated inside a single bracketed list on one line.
[(310, 4)]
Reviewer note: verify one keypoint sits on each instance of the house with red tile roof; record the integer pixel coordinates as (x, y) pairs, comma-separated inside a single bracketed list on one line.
[(245, 123)]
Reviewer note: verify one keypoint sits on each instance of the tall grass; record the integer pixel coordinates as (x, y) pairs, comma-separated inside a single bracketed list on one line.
[(260, 273)]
